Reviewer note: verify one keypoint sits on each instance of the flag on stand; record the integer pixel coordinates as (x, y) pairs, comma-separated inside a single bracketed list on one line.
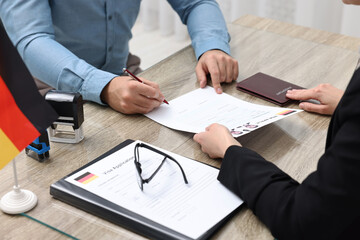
[(23, 111)]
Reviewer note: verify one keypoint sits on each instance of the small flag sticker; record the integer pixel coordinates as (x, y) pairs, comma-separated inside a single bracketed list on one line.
[(86, 178), (286, 112)]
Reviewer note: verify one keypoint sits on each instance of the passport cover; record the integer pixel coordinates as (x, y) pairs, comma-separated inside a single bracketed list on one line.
[(269, 88)]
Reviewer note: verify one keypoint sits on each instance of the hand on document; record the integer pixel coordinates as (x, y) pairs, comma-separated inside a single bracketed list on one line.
[(221, 67), (215, 140), (129, 96)]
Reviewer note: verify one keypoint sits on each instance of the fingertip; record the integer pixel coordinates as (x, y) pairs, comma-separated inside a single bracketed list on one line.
[(211, 126), (201, 76), (196, 137), (202, 83), (156, 105), (302, 105), (157, 95), (219, 90)]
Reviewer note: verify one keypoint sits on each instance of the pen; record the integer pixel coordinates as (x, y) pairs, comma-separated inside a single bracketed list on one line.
[(125, 70)]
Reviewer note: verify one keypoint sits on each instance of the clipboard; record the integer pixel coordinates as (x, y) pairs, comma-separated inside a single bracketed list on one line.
[(97, 205)]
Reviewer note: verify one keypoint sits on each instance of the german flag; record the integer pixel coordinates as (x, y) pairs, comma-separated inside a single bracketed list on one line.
[(23, 111), (86, 178), (286, 112)]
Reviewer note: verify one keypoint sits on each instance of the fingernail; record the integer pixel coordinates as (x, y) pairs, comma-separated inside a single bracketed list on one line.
[(219, 90), (301, 105)]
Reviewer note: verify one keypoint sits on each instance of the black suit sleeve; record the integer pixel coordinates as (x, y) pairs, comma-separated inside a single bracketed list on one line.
[(325, 204)]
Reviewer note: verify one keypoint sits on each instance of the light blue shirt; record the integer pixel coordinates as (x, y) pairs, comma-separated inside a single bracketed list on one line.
[(80, 45)]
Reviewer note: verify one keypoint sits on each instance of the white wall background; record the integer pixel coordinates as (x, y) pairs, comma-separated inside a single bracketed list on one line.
[(328, 15)]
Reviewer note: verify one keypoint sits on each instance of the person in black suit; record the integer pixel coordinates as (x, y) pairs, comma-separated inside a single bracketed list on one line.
[(326, 205)]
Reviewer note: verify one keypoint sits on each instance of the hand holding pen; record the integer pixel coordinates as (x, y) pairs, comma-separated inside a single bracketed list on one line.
[(136, 78), (125, 95)]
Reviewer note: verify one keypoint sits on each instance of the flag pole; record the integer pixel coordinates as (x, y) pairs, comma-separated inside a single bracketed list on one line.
[(18, 200), (15, 173)]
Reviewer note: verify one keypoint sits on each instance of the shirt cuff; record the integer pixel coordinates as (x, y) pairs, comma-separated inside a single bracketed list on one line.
[(210, 44), (92, 88)]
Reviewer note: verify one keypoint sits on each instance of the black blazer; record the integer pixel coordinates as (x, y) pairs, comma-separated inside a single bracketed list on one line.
[(326, 205)]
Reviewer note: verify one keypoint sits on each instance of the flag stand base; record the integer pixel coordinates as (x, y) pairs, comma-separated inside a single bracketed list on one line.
[(18, 201)]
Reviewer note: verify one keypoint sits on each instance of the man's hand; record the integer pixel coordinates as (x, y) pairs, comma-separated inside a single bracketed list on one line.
[(215, 140), (328, 96), (221, 67), (129, 96)]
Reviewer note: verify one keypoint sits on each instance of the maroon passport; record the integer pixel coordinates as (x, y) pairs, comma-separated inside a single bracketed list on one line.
[(269, 88)]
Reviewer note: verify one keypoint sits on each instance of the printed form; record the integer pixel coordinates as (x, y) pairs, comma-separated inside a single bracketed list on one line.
[(194, 111), (190, 209)]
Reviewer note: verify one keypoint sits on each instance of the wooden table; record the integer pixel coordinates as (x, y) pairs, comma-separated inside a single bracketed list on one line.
[(297, 54)]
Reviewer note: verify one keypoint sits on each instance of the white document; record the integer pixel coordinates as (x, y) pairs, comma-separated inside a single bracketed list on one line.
[(194, 111), (191, 209)]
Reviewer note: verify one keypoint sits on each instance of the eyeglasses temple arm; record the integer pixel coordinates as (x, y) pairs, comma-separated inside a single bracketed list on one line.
[(166, 156), (152, 175), (182, 171)]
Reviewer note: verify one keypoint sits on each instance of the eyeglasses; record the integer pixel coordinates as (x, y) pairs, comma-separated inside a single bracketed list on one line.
[(140, 180)]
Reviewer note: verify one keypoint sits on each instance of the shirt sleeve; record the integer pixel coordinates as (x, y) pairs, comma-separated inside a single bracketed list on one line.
[(206, 25), (324, 205), (29, 25)]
